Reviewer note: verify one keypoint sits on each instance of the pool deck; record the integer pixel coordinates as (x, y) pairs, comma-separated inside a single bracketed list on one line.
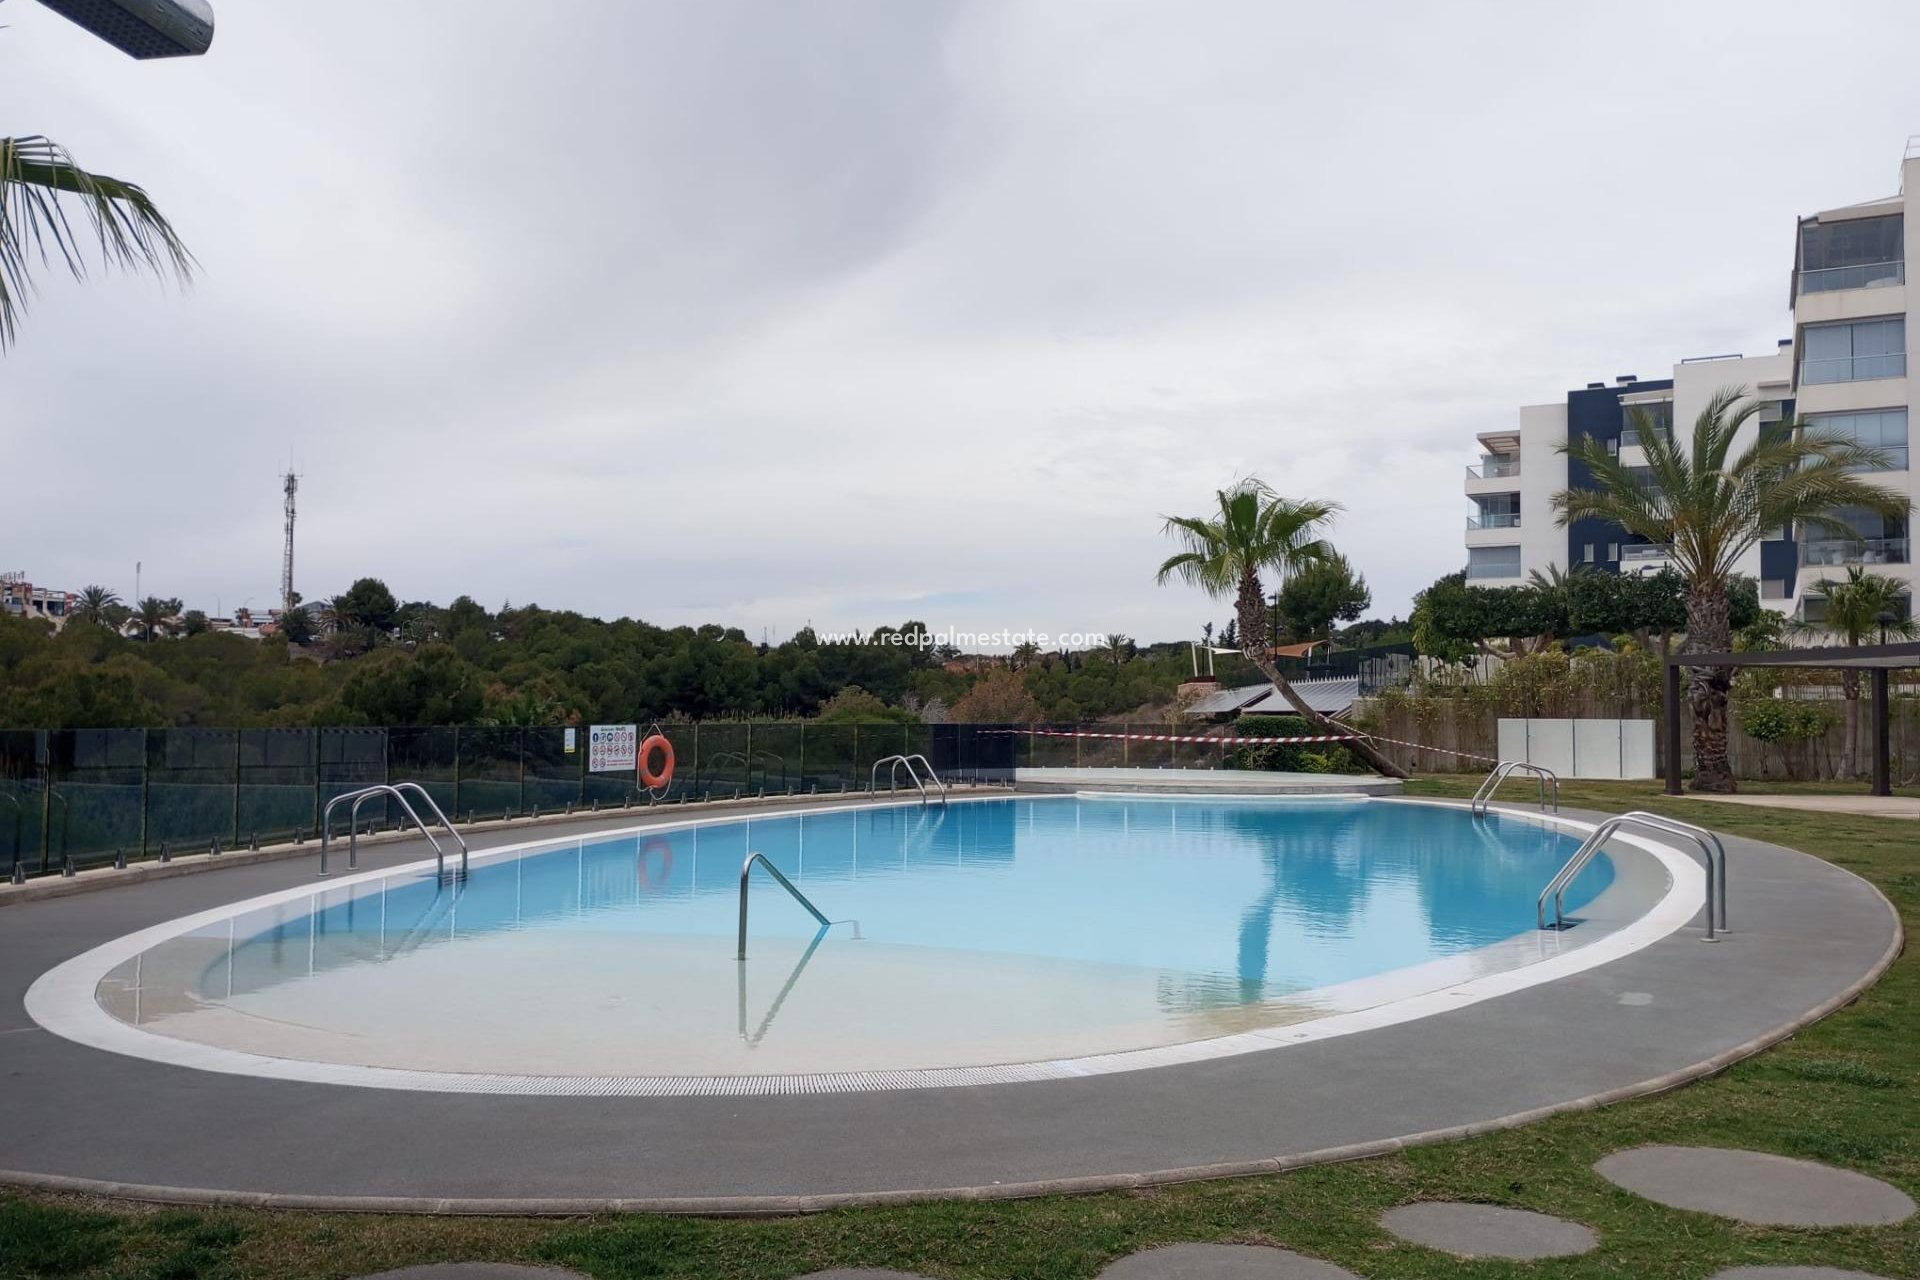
[(1808, 936)]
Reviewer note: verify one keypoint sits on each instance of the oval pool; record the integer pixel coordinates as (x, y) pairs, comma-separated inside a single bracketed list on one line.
[(1051, 930)]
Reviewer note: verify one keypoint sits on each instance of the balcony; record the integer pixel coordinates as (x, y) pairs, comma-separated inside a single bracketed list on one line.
[(1831, 551), (1866, 275), (1630, 438), (1498, 572), (1495, 469), (1853, 368), (1494, 520), (1644, 552)]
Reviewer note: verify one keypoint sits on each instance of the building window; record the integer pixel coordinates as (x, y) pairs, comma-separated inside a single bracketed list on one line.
[(1644, 420), (1882, 429), (1587, 554), (1493, 562), (1496, 511), (1854, 352), (1876, 539), (1854, 253), (1613, 551)]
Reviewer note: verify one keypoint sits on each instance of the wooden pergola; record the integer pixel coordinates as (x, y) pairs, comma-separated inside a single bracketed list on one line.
[(1880, 660)]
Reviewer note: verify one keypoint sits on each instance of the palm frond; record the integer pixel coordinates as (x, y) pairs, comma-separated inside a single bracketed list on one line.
[(37, 176)]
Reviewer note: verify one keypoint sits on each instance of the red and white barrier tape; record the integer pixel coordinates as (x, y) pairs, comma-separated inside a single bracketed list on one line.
[(1177, 737)]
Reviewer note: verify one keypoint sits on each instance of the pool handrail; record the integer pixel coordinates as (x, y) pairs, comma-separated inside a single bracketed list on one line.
[(745, 869), (438, 812), (931, 775), (1712, 853), (1483, 798), (326, 825), (893, 776)]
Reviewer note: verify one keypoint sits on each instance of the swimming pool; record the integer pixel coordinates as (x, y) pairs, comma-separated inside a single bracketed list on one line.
[(975, 940)]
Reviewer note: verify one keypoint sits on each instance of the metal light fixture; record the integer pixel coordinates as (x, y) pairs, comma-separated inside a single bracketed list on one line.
[(144, 28)]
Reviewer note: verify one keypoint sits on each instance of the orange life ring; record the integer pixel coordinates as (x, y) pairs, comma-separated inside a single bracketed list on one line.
[(650, 777)]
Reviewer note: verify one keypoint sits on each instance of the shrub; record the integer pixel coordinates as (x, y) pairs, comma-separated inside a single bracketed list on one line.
[(1311, 757)]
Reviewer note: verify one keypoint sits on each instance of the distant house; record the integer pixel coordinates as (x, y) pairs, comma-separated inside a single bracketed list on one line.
[(21, 599)]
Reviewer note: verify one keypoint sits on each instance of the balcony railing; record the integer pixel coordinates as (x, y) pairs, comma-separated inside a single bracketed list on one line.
[(1643, 551), (1854, 368), (1494, 520), (1630, 438), (1492, 470), (1865, 275), (1855, 551), (1493, 571)]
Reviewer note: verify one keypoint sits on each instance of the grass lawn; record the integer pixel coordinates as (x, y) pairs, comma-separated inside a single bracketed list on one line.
[(1846, 1091)]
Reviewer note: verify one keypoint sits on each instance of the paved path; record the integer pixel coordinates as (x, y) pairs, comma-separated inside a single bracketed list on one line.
[(1864, 806), (1488, 1230), (1791, 1273), (1221, 1262), (1753, 1186), (1806, 934)]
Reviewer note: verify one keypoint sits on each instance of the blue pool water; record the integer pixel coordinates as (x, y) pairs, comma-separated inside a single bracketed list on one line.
[(989, 930)]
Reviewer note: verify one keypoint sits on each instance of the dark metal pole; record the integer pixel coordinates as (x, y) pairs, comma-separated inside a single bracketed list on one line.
[(1673, 729), (1882, 740)]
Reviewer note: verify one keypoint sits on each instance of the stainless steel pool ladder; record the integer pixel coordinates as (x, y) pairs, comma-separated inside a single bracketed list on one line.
[(1483, 798), (799, 897), (893, 774), (353, 823), (1712, 852)]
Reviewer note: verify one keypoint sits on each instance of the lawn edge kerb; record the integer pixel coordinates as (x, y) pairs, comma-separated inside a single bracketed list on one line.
[(782, 1206)]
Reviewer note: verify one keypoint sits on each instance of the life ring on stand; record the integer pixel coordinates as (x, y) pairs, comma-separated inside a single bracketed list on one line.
[(651, 778)]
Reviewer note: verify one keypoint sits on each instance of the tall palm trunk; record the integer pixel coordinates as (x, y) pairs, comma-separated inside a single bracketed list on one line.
[(1250, 607), (1710, 630)]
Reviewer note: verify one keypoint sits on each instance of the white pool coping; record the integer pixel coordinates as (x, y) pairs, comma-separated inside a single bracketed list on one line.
[(64, 999)]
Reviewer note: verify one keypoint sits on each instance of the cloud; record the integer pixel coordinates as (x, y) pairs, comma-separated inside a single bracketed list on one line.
[(851, 311)]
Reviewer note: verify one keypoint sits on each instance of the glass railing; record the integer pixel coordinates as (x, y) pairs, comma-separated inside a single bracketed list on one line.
[(1494, 520), (1630, 438), (1642, 551), (1494, 469), (1854, 551), (1865, 275), (1493, 570), (1854, 368)]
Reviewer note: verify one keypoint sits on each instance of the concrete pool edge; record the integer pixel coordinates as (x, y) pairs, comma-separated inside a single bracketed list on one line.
[(788, 1205), (99, 1124), (63, 999)]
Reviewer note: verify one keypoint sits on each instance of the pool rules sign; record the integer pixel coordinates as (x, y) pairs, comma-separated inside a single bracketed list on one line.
[(611, 748)]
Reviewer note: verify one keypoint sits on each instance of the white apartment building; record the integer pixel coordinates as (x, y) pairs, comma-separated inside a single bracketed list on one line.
[(1512, 530), (1849, 299), (1844, 370)]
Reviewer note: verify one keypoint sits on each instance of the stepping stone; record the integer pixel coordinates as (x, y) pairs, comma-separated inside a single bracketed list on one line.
[(1487, 1230), (1751, 1186), (1221, 1262), (1790, 1273), (476, 1271)]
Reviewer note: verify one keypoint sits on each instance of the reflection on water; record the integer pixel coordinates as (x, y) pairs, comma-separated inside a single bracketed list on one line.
[(1070, 920)]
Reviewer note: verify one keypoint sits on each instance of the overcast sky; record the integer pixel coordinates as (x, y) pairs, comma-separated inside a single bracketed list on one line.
[(857, 310)]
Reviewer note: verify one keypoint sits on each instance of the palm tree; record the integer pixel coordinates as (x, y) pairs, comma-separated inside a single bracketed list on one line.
[(94, 606), (1855, 606), (1708, 508), (1253, 531), (155, 614), (36, 178)]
